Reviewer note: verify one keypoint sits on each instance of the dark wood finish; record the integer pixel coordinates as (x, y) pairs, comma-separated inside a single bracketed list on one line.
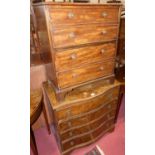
[(76, 29), (120, 59), (83, 117)]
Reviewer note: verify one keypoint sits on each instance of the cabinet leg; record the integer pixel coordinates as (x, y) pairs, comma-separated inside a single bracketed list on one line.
[(46, 119)]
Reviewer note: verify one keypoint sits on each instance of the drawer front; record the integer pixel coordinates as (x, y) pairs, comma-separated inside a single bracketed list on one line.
[(96, 115), (85, 73), (72, 16), (72, 58), (79, 35), (67, 125), (103, 128), (89, 105), (108, 116), (77, 141), (74, 132), (92, 125)]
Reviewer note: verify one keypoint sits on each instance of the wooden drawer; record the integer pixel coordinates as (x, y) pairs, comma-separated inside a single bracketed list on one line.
[(83, 34), (110, 115), (105, 111), (76, 141), (74, 132), (72, 16), (72, 58), (90, 126), (92, 104), (104, 128), (85, 73), (72, 123)]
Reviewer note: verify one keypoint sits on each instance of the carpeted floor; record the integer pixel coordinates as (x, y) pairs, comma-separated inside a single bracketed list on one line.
[(111, 144)]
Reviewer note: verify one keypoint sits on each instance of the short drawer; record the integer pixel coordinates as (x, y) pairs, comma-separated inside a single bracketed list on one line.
[(74, 132), (79, 35), (103, 129), (82, 15), (72, 58), (77, 141), (105, 100), (85, 73), (67, 125), (108, 116)]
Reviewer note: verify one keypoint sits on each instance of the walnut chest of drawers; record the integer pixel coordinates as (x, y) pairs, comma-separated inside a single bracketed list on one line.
[(82, 40), (86, 114)]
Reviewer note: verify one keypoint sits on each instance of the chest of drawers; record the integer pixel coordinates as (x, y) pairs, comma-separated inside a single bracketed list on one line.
[(82, 39), (85, 115)]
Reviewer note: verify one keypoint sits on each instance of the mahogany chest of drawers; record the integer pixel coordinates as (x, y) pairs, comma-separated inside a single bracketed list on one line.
[(85, 115), (82, 40)]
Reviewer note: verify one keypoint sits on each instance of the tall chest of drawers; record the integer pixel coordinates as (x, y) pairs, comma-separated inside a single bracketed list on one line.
[(82, 40)]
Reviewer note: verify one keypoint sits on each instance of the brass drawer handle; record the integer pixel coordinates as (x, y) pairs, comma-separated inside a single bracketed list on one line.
[(104, 32), (70, 133), (101, 68), (72, 35), (102, 51), (70, 15), (71, 143), (92, 94), (85, 94), (69, 124), (73, 56), (74, 75), (104, 14)]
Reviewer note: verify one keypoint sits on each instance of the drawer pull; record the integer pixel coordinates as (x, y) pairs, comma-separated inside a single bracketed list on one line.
[(85, 94), (104, 32), (92, 94), (104, 14), (71, 143), (108, 116), (70, 133), (73, 56), (69, 124), (74, 75), (109, 106), (101, 68), (70, 15), (72, 35), (102, 51)]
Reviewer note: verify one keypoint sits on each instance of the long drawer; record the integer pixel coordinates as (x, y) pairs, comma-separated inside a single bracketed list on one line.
[(88, 105), (72, 58), (103, 128), (83, 34), (78, 15), (77, 141), (87, 117), (87, 127), (85, 73)]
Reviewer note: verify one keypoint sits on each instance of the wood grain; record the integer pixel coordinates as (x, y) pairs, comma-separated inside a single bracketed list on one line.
[(79, 35), (75, 57), (85, 73), (68, 16)]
